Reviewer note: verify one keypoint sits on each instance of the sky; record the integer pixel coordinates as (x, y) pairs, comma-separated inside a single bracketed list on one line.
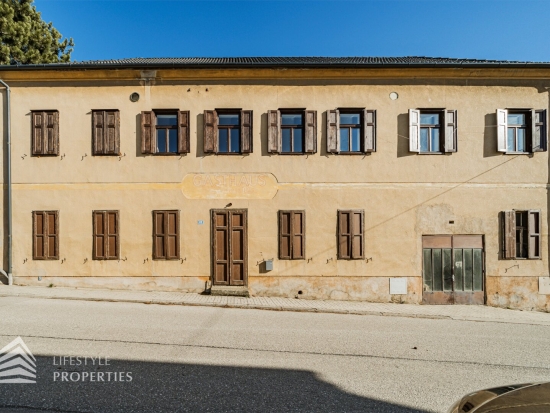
[(476, 29)]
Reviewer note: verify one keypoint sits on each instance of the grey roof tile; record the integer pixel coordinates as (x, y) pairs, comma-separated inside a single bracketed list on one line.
[(220, 62)]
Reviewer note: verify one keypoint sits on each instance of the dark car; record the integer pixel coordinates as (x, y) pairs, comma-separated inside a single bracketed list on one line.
[(519, 398)]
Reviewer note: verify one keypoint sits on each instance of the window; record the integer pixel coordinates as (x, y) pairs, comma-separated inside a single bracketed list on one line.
[(227, 131), (45, 235), (521, 234), (351, 131), (166, 244), (106, 235), (106, 132), (45, 132), (292, 131), (165, 132), (521, 130), (350, 234), (292, 235), (432, 130)]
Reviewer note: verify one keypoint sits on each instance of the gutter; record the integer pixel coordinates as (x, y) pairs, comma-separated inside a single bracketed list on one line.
[(9, 275)]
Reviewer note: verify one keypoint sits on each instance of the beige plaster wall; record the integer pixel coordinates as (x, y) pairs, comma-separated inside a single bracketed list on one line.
[(404, 195)]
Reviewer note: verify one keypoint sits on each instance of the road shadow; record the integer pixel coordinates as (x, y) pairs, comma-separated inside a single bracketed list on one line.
[(174, 387)]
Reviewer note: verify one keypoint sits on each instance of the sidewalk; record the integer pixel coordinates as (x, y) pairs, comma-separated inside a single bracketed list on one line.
[(453, 312)]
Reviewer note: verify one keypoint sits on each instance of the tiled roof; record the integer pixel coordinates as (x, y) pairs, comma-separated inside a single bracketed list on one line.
[(221, 62)]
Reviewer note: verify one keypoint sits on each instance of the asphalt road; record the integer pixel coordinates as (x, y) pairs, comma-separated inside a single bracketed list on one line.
[(217, 359)]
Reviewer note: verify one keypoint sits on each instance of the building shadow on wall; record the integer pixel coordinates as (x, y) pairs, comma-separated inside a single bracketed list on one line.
[(490, 136), (403, 136), (200, 135), (264, 144), (174, 387), (4, 280)]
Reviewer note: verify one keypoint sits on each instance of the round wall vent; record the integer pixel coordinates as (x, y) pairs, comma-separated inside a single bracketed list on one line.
[(134, 97), (394, 95)]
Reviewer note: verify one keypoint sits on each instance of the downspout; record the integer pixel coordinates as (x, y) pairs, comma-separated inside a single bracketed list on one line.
[(9, 275)]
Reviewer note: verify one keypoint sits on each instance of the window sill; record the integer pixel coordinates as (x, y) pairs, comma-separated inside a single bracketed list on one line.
[(517, 153), (431, 153), (352, 153)]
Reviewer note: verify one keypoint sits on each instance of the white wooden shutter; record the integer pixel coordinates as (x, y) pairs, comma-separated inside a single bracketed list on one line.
[(539, 136), (333, 131), (502, 129), (450, 131), (369, 130), (414, 130), (534, 245)]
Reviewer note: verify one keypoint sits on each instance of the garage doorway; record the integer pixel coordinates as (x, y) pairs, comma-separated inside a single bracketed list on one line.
[(453, 269)]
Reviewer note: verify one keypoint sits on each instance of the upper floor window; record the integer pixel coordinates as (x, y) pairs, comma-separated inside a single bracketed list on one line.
[(45, 132), (106, 132), (432, 130), (351, 131), (292, 131), (165, 132), (521, 130), (228, 131)]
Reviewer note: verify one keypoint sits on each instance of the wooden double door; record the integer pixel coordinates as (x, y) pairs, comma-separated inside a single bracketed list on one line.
[(230, 247), (453, 269)]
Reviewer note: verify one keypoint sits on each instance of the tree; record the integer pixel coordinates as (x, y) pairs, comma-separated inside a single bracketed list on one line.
[(26, 39)]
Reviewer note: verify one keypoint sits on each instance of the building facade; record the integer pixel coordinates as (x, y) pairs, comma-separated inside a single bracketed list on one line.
[(406, 180)]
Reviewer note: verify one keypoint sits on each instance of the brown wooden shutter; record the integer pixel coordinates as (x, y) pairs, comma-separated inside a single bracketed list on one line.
[(210, 131), (45, 133), (46, 235), (539, 134), (106, 132), (112, 132), (38, 138), (172, 235), (159, 251), (52, 132), (39, 235), (183, 132), (166, 235), (292, 236), (369, 130), (357, 224), (285, 235), (148, 129), (298, 235), (350, 234), (273, 131), (98, 132), (534, 230), (246, 131), (450, 130), (344, 235), (99, 234), (509, 235), (333, 131), (106, 235), (310, 145)]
